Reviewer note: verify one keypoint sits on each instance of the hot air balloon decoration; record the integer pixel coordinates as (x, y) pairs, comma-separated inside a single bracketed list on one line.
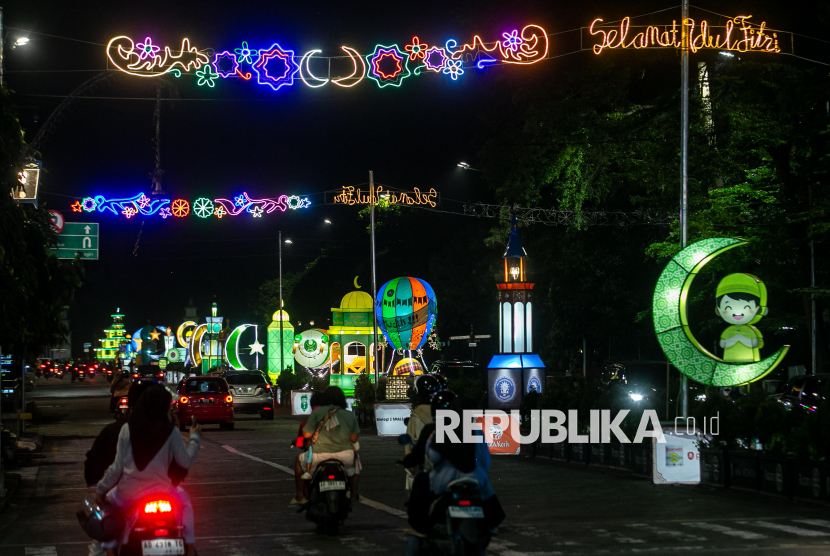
[(406, 311)]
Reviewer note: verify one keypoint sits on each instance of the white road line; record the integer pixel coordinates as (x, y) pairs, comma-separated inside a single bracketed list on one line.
[(799, 531), (659, 531), (284, 469), (816, 522), (740, 533)]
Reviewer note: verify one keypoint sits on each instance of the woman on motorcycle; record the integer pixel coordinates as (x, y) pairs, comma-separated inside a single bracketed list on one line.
[(333, 432), (120, 388), (425, 387), (147, 447)]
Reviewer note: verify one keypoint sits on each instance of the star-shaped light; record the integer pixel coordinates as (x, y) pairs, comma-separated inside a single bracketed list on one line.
[(257, 212), (435, 59), (77, 206), (154, 334), (256, 347), (234, 65), (165, 212), (89, 204), (143, 201), (129, 212), (244, 53), (147, 48)]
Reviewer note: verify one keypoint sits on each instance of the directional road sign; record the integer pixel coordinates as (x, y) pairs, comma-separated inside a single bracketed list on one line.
[(75, 237)]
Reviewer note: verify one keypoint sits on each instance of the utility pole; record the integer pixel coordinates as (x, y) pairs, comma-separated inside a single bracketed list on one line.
[(684, 164), (374, 280), (1, 80), (279, 311)]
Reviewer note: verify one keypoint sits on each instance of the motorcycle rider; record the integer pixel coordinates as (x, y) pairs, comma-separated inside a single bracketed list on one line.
[(424, 388), (146, 448), (119, 388), (451, 461), (333, 432)]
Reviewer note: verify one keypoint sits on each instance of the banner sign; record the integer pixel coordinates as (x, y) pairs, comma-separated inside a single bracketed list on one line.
[(503, 442), (677, 461), (389, 418), (300, 402)]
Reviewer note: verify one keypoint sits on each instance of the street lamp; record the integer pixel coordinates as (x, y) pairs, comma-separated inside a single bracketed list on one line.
[(466, 166), (288, 241), (327, 221), (21, 41)]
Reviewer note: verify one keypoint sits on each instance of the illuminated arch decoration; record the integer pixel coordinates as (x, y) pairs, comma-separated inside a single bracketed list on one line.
[(273, 61), (136, 59), (232, 347), (202, 207), (234, 64), (671, 322), (379, 66)]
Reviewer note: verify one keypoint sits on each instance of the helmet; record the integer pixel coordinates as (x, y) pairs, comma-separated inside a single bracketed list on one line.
[(442, 381), (442, 400), (98, 522), (425, 387)]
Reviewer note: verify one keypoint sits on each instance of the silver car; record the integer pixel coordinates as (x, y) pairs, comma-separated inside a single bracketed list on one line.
[(252, 393)]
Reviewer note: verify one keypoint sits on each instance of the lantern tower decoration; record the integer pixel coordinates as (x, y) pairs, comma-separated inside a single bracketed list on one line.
[(515, 370), (275, 363)]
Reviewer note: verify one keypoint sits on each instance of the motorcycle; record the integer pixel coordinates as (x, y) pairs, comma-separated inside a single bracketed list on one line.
[(458, 524), (120, 408), (150, 528), (329, 493)]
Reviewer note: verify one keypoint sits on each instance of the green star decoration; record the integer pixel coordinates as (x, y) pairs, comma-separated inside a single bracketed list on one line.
[(206, 75)]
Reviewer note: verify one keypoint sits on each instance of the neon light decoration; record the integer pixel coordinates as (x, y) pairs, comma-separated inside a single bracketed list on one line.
[(135, 59), (379, 66), (278, 60), (232, 347), (454, 69), (386, 65), (234, 65), (406, 309), (201, 207), (739, 35), (355, 196)]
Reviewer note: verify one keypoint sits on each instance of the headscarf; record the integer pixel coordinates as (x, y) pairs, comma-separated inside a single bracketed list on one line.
[(149, 425)]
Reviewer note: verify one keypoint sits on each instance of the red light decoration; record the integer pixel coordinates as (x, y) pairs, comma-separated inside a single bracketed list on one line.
[(77, 206), (417, 49), (387, 54)]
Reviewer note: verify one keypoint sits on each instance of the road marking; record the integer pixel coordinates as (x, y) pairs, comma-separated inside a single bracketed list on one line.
[(679, 535), (363, 500), (207, 483), (816, 522), (41, 551), (801, 532), (740, 533)]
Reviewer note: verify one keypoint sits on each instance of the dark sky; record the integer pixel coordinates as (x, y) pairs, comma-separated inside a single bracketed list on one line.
[(244, 137)]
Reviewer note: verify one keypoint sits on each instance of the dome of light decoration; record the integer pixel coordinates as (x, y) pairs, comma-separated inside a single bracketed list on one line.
[(280, 316), (357, 300)]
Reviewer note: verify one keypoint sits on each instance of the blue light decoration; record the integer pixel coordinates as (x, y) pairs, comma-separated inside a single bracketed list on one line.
[(202, 207), (273, 61), (277, 67)]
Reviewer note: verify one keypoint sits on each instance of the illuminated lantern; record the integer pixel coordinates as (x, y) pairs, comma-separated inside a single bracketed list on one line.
[(408, 366), (406, 311), (311, 348)]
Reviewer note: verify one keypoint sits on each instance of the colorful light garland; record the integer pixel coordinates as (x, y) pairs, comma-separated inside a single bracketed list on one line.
[(201, 207), (276, 66)]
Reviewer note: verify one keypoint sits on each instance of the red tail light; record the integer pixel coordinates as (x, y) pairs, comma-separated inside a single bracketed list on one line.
[(267, 386), (463, 502), (331, 476), (183, 399), (229, 398), (160, 506), (123, 401), (161, 532), (161, 375)]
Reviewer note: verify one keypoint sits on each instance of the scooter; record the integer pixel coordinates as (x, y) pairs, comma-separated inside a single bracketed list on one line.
[(329, 493), (459, 527)]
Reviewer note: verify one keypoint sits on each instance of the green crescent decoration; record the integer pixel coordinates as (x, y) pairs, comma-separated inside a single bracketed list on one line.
[(233, 341), (672, 326)]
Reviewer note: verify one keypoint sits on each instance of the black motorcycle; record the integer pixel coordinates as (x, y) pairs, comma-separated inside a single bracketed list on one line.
[(458, 524), (329, 497)]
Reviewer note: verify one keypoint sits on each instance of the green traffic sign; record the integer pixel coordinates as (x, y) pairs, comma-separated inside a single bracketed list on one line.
[(77, 237)]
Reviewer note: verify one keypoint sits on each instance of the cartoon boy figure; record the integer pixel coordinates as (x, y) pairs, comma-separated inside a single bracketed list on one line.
[(741, 301)]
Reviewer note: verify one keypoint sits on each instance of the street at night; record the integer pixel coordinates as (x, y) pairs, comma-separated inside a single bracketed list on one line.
[(241, 486)]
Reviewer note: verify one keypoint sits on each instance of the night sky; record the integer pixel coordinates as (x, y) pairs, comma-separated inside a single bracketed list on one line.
[(241, 136)]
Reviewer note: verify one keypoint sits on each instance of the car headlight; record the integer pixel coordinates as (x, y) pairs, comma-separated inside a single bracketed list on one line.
[(636, 397), (701, 398)]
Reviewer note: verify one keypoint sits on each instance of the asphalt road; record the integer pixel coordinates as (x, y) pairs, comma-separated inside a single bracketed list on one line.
[(242, 483)]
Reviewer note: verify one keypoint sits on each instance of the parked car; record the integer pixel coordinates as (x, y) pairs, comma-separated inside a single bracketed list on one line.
[(252, 393), (207, 398), (803, 391)]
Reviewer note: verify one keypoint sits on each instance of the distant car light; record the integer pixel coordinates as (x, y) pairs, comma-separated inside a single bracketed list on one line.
[(636, 397)]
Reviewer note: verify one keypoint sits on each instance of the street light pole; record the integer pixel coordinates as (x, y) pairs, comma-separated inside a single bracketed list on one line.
[(279, 310), (684, 163), (374, 281)]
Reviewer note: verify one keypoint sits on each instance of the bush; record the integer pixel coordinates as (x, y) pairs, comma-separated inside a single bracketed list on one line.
[(364, 392), (298, 380)]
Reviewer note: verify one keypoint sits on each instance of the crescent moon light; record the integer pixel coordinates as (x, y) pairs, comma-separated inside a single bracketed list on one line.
[(181, 331), (355, 282), (672, 326), (354, 55), (232, 347), (305, 69), (196, 344)]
